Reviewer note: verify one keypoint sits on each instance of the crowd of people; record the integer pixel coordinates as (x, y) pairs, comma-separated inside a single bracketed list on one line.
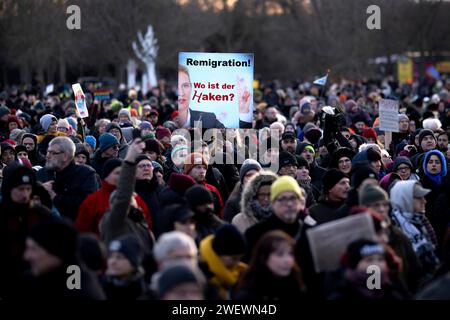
[(147, 212)]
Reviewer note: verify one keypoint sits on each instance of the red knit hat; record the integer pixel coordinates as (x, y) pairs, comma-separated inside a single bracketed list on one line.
[(192, 160), (370, 133), (162, 132)]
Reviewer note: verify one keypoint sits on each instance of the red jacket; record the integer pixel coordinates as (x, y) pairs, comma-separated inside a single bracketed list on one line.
[(214, 190), (95, 205)]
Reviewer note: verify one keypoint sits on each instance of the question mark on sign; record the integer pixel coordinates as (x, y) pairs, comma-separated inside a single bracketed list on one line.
[(231, 96)]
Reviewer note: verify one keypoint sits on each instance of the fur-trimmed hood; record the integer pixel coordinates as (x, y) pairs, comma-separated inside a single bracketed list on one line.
[(252, 187)]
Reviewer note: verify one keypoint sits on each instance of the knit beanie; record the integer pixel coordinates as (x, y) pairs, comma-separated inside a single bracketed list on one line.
[(331, 178), (360, 249), (228, 241), (157, 167), (109, 166), (129, 246), (248, 165), (90, 140), (283, 184), (145, 125), (178, 148), (371, 194), (63, 123), (179, 182), (198, 195), (162, 132), (286, 158), (46, 120), (58, 238), (362, 173), (176, 275), (125, 112), (151, 145), (425, 132), (192, 160), (107, 140)]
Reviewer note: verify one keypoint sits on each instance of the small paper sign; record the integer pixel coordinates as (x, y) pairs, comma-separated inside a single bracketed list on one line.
[(80, 101)]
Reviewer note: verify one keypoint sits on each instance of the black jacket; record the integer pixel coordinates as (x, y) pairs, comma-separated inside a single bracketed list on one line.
[(52, 286), (254, 233), (72, 185), (325, 211), (149, 191), (16, 221), (98, 161), (214, 177), (233, 204)]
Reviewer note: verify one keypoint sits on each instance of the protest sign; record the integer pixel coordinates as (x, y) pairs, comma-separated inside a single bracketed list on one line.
[(215, 88), (388, 110), (80, 100), (329, 241), (49, 89)]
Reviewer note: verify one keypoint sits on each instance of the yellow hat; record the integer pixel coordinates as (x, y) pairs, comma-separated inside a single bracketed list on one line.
[(285, 183)]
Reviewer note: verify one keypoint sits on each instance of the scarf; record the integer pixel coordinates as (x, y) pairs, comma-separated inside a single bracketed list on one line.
[(421, 221), (436, 178), (224, 278), (260, 212)]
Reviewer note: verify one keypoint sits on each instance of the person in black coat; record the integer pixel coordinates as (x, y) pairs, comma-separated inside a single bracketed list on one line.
[(71, 183), (55, 271), (123, 279), (147, 187), (336, 185), (201, 202), (288, 204)]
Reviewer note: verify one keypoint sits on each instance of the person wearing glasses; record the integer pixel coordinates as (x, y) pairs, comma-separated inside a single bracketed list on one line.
[(404, 168), (70, 183), (108, 148), (287, 200)]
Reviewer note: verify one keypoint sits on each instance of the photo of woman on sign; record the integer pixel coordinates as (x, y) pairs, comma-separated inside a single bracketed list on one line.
[(187, 116)]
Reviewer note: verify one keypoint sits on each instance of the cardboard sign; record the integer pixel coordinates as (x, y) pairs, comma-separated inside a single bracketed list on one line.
[(216, 89), (80, 101), (329, 241), (388, 110)]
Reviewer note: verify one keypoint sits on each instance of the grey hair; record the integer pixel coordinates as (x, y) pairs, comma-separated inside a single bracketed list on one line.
[(170, 241), (65, 144)]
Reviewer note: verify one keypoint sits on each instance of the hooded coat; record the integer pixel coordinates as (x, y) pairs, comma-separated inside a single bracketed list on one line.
[(251, 212), (412, 224)]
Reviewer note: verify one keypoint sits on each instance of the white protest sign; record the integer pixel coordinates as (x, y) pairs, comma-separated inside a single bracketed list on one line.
[(388, 110), (49, 89), (329, 241), (80, 100)]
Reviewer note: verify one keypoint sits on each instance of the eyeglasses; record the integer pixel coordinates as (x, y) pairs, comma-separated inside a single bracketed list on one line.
[(142, 166), (285, 200), (54, 153)]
